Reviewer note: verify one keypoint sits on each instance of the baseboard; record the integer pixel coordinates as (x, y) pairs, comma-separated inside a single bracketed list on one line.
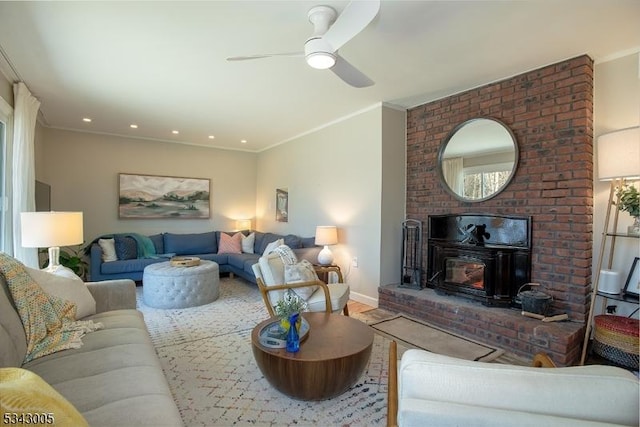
[(364, 299)]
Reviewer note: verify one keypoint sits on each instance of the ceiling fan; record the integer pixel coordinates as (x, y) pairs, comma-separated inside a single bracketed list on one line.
[(331, 32)]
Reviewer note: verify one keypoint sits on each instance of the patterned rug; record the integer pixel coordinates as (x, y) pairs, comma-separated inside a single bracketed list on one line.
[(206, 356)]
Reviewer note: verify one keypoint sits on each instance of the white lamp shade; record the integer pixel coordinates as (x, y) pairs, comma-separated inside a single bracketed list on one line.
[(619, 154), (243, 224), (326, 235), (46, 229)]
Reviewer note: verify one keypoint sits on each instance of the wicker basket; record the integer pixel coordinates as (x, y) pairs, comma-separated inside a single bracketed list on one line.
[(616, 339)]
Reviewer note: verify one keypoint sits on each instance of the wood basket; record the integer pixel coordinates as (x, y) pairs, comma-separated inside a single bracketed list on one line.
[(183, 261)]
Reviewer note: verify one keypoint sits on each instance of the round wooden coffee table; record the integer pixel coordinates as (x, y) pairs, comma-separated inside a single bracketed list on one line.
[(331, 358)]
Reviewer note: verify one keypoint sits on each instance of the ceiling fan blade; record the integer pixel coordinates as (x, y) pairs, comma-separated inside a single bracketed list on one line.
[(265, 55), (353, 19), (350, 74)]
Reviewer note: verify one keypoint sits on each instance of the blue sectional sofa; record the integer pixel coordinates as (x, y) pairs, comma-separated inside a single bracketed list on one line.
[(201, 245)]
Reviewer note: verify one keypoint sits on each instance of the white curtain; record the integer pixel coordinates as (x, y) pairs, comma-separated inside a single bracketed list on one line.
[(452, 171), (24, 170)]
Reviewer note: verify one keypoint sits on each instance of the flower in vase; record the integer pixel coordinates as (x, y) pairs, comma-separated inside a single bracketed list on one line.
[(289, 304)]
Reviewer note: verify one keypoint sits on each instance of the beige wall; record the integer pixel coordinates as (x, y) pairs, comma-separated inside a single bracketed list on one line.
[(83, 168), (616, 106), (334, 177)]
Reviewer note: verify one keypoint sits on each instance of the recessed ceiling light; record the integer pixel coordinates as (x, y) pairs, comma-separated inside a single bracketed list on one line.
[(133, 126), (86, 119), (212, 137), (244, 141), (175, 132)]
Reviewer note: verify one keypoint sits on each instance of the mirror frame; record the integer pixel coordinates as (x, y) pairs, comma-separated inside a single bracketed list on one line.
[(448, 139)]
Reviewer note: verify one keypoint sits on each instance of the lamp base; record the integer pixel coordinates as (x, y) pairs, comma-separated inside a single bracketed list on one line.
[(325, 257), (55, 267)]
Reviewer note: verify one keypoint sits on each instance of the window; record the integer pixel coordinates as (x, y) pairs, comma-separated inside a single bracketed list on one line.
[(480, 182)]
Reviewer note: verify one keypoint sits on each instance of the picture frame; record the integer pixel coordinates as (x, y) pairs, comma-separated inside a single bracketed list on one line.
[(166, 197), (282, 205), (632, 285)]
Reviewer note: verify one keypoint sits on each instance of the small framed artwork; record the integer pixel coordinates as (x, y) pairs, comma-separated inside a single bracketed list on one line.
[(282, 205), (632, 285), (152, 196)]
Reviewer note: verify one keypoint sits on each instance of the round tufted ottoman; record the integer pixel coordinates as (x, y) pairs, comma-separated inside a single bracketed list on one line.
[(165, 286)]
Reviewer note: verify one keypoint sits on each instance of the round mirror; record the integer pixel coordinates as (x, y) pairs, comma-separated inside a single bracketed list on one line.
[(478, 159)]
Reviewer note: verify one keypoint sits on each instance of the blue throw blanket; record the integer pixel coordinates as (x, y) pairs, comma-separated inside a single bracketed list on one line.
[(146, 248)]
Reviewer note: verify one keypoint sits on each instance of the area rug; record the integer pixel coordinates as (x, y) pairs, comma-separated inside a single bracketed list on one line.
[(418, 334), (206, 356)]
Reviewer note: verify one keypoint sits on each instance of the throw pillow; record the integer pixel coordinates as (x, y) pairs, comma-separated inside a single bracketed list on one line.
[(108, 247), (248, 242), (230, 244), (23, 393), (126, 247), (301, 272), (272, 246), (73, 290), (286, 254)]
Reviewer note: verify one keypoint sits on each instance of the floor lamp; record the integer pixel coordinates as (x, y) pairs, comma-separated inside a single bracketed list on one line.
[(51, 230), (618, 161)]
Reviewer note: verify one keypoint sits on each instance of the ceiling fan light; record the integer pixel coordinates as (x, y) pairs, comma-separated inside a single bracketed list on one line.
[(321, 60)]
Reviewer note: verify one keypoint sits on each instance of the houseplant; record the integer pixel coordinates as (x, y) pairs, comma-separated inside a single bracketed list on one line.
[(289, 305), (629, 201)]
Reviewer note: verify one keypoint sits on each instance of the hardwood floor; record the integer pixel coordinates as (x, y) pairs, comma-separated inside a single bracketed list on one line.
[(358, 307)]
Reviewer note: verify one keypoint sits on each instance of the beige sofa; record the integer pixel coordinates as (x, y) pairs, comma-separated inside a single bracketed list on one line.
[(429, 389), (115, 378)]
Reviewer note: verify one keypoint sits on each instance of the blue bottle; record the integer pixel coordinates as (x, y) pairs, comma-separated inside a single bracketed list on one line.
[(293, 339)]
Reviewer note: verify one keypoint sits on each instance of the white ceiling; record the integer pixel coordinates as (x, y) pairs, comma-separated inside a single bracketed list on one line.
[(162, 65)]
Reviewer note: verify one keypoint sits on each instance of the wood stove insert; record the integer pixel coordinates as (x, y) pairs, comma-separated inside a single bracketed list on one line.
[(483, 257)]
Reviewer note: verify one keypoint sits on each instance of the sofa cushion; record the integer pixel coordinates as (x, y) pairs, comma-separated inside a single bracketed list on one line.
[(12, 335), (307, 242), (248, 242), (115, 378), (239, 260), (230, 244), (23, 392), (129, 265), (108, 250), (126, 247), (189, 244), (293, 241), (68, 289), (264, 240), (158, 242), (272, 246)]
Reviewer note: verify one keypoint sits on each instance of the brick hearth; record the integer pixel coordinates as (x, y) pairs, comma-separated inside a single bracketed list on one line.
[(550, 111), (501, 327)]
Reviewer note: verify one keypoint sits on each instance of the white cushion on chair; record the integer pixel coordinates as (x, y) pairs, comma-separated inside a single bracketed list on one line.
[(272, 269), (339, 294)]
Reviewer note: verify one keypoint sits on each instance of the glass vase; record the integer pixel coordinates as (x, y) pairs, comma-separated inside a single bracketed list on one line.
[(293, 338)]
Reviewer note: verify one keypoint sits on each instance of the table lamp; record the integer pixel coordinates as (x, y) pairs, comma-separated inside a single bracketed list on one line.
[(51, 230), (326, 235), (243, 224)]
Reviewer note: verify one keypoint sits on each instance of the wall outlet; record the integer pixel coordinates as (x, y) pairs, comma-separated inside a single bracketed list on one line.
[(354, 262)]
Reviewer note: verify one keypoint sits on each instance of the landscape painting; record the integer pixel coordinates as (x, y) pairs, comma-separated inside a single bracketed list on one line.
[(151, 196)]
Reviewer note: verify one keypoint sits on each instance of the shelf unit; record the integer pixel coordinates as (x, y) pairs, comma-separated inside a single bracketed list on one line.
[(611, 236)]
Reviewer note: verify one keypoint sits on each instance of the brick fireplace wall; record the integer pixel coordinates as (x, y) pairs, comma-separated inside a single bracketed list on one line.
[(550, 111)]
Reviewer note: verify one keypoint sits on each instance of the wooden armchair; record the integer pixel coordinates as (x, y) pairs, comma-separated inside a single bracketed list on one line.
[(331, 298)]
